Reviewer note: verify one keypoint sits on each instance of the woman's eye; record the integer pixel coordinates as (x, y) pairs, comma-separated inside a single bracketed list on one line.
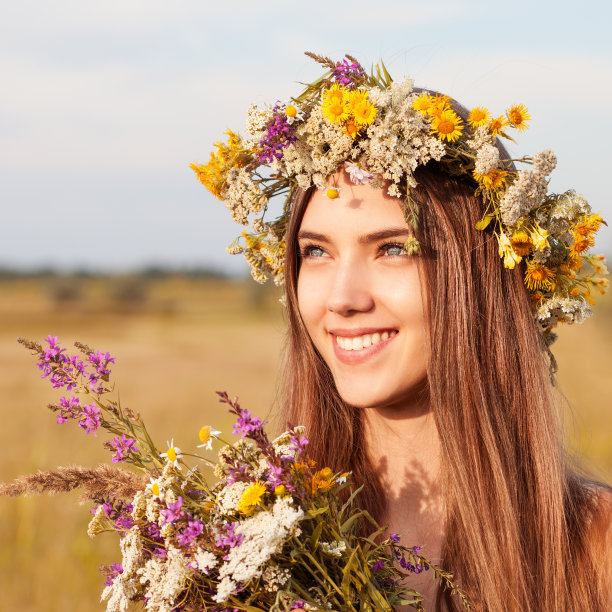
[(393, 249), (313, 251)]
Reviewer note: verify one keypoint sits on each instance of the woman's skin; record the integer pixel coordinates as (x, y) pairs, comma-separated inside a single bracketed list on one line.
[(357, 288)]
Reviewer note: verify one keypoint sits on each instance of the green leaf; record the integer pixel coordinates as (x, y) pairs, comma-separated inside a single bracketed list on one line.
[(315, 512), (316, 534), (482, 224)]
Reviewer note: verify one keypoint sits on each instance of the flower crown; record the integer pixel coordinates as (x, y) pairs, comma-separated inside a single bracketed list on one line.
[(379, 129)]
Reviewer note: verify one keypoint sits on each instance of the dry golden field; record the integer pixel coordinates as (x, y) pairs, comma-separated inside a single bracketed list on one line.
[(176, 341)]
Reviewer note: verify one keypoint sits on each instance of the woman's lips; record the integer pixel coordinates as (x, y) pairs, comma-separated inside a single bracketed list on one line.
[(358, 345)]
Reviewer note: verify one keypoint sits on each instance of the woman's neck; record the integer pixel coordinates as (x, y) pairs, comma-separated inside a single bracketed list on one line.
[(404, 447)]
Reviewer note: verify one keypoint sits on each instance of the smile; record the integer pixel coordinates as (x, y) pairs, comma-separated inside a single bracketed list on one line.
[(358, 343)]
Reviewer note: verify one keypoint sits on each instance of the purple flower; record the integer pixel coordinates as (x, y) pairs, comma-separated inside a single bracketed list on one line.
[(246, 424), (274, 475), (394, 537), (112, 571), (416, 550), (68, 409), (411, 567), (120, 514), (229, 539), (348, 74), (173, 511), (298, 605), (189, 533), (123, 446), (90, 420), (379, 565), (278, 137), (298, 443)]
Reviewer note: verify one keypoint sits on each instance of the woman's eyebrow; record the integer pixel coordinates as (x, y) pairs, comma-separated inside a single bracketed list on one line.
[(304, 234), (391, 232)]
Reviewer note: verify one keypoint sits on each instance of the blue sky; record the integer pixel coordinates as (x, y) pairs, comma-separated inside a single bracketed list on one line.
[(105, 104)]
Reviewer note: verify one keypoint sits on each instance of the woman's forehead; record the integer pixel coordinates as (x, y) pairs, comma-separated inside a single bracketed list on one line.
[(357, 206)]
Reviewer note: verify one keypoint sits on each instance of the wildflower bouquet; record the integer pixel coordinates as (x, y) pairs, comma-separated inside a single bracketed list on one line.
[(274, 532)]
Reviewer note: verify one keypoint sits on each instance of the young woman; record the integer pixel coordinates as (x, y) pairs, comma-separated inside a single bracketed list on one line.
[(424, 276), (427, 377)]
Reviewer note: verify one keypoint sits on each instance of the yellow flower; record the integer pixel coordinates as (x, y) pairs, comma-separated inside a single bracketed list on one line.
[(335, 94), (423, 103), (323, 480), (231, 155), (291, 111), (507, 252), (206, 435), (539, 237), (335, 111), (439, 104), (588, 225), (280, 491), (335, 104), (575, 262), (351, 128), (447, 125), (581, 245), (251, 498), (332, 193), (361, 109), (495, 179), (518, 116), (173, 454), (497, 125), (539, 277), (521, 243), (479, 116), (574, 291)]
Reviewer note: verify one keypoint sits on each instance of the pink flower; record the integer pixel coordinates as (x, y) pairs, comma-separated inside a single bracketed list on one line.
[(358, 175)]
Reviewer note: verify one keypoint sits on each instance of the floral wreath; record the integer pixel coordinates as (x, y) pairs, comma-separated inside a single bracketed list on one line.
[(381, 130)]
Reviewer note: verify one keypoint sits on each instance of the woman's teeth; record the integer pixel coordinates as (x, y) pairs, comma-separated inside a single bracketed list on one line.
[(356, 343)]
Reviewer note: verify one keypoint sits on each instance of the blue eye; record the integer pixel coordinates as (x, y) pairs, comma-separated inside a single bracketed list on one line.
[(393, 249), (313, 251)]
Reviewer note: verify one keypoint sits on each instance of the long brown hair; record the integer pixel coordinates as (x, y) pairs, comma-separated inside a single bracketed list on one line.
[(517, 515)]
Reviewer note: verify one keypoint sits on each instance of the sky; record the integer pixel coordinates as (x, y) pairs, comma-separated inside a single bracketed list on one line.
[(104, 105)]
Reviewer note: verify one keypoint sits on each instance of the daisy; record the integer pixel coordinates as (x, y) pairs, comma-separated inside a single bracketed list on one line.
[(155, 487), (206, 435), (293, 114), (173, 454)]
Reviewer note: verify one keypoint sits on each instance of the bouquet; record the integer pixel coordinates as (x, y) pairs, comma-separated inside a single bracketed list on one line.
[(273, 531)]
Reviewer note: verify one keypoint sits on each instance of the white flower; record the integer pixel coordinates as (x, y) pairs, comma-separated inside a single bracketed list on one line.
[(155, 487), (293, 114), (207, 433), (358, 175), (173, 454)]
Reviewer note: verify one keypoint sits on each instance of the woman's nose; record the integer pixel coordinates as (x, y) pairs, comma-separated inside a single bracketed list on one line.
[(349, 291)]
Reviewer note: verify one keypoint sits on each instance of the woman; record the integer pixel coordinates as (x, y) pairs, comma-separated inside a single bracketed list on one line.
[(413, 358)]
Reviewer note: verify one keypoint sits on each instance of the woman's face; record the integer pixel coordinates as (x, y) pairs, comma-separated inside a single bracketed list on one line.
[(360, 297)]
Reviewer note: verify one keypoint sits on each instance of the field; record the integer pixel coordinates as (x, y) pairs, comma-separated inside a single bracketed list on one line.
[(177, 339)]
